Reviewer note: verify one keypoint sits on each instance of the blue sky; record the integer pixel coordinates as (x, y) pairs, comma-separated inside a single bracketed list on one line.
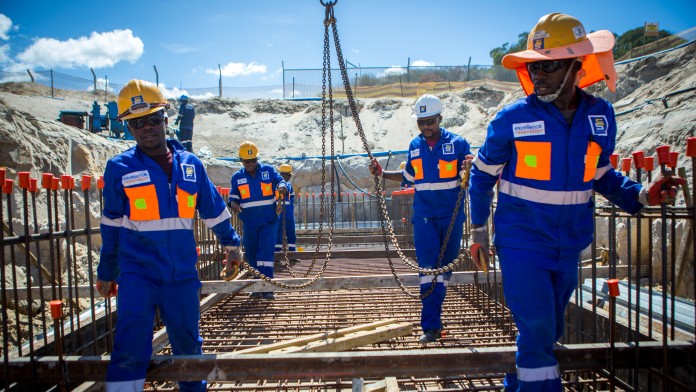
[(251, 39)]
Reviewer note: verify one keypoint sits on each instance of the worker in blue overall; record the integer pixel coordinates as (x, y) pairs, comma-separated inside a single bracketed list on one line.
[(285, 171), (253, 197), (548, 153), (148, 257), (185, 117), (435, 158)]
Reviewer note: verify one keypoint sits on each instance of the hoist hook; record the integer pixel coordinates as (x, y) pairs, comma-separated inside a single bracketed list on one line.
[(329, 16)]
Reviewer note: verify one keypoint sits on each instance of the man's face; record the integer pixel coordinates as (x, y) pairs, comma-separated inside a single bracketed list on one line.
[(430, 126), (286, 176), (148, 132), (548, 75), (250, 165)]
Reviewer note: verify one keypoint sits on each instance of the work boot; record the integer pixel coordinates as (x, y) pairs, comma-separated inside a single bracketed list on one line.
[(430, 336), (269, 296), (255, 295)]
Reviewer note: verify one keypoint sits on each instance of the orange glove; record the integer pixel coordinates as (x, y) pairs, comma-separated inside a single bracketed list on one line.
[(479, 247), (375, 168), (662, 190)]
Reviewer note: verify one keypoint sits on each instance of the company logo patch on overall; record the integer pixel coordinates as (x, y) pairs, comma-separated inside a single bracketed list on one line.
[(135, 178), (264, 176), (415, 153), (242, 181), (535, 128), (447, 148), (599, 125), (189, 172)]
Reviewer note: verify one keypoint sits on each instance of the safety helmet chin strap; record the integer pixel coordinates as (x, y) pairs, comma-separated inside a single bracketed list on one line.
[(552, 97)]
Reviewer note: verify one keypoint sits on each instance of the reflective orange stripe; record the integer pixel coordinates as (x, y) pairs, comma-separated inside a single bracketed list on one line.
[(187, 203), (244, 191), (591, 160), (266, 189), (533, 160), (417, 168), (448, 169), (143, 203)]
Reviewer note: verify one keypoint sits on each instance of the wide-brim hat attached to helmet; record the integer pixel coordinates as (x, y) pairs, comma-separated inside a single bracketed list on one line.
[(559, 36), (139, 98)]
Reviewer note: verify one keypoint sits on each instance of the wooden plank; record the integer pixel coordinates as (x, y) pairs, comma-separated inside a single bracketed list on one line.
[(340, 340), (389, 384)]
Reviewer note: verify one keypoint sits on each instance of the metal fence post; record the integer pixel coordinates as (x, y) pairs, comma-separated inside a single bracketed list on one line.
[(94, 78), (52, 94), (31, 76)]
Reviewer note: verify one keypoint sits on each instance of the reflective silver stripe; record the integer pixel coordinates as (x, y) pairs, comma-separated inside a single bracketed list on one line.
[(159, 224), (224, 215), (408, 177), (493, 170), (257, 203), (111, 222), (538, 374), (264, 263), (436, 186), (601, 171), (544, 196), (235, 197), (288, 203), (125, 386), (429, 279)]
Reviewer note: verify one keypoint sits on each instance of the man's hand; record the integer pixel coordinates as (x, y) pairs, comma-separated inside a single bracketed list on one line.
[(466, 170), (283, 190), (375, 168), (235, 207), (233, 258), (479, 247), (662, 190), (234, 254), (107, 289)]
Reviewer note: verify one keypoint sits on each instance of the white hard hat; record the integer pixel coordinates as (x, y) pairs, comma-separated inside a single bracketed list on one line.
[(427, 106)]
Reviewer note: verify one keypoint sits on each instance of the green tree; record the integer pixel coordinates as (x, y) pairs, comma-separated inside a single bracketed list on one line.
[(498, 53), (634, 38)]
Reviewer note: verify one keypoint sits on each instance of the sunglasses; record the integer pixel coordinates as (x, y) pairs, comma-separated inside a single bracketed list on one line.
[(548, 66), (428, 121), (141, 122), (250, 160)]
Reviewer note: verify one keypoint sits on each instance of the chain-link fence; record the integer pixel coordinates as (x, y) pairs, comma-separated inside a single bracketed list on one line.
[(366, 82)]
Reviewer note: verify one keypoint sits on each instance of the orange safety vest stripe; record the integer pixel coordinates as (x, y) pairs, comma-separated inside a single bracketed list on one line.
[(533, 160), (448, 169), (591, 160), (417, 168), (186, 202), (143, 203), (244, 191)]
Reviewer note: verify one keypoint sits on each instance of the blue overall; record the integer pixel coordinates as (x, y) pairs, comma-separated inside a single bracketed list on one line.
[(256, 195), (185, 117), (546, 172), (435, 177), (148, 248)]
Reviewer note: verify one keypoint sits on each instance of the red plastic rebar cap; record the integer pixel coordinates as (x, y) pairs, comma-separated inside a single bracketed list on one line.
[(613, 285), (639, 159), (56, 309), (673, 159), (86, 182), (7, 186), (626, 165), (33, 185), (3, 172), (650, 163), (46, 180), (23, 179), (65, 181), (614, 160), (662, 155), (691, 147)]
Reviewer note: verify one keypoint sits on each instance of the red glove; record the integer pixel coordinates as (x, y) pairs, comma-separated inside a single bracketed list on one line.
[(662, 190), (479, 247), (107, 289), (375, 168)]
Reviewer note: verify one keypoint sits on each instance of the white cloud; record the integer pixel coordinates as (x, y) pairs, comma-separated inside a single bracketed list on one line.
[(239, 69), (393, 70), (180, 49), (355, 50), (422, 63), (273, 75), (99, 50), (4, 53), (5, 26)]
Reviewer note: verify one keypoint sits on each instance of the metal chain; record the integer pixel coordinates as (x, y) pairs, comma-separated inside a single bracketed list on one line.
[(384, 215)]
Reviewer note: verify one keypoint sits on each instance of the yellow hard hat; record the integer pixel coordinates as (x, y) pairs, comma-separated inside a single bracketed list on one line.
[(248, 150), (285, 168), (402, 165), (139, 98), (559, 36)]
